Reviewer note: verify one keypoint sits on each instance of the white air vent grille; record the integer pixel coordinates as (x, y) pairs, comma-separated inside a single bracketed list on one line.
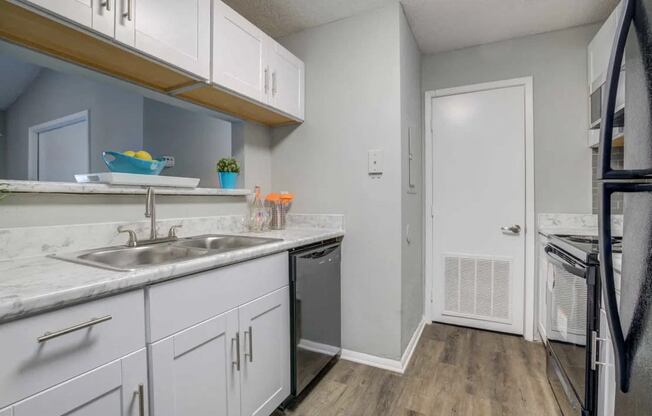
[(478, 287), (568, 309)]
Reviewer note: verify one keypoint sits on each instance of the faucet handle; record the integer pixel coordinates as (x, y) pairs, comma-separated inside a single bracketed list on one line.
[(173, 231), (133, 238)]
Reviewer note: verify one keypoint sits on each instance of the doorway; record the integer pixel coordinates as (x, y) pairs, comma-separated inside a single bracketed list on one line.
[(479, 265), (59, 148)]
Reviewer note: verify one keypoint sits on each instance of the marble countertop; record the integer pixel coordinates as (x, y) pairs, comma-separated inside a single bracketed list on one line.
[(105, 189), (37, 284)]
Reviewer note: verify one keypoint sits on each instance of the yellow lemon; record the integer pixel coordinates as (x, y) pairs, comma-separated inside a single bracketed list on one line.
[(143, 155), (129, 153)]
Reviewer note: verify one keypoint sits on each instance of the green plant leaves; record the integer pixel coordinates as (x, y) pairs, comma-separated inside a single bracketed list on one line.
[(228, 164)]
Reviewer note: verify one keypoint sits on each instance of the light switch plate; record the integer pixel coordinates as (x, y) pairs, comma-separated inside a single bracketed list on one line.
[(375, 162)]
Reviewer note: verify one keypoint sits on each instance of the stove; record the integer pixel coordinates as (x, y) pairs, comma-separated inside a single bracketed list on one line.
[(583, 247), (572, 320)]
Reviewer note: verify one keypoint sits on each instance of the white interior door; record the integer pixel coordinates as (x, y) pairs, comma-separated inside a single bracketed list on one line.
[(63, 151), (479, 179)]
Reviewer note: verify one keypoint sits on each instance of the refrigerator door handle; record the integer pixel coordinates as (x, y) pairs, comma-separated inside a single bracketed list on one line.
[(609, 287), (609, 98), (621, 350)]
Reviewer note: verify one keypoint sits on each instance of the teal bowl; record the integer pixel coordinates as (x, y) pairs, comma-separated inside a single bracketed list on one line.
[(118, 162)]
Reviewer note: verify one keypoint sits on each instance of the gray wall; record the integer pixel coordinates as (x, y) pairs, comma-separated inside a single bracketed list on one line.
[(558, 63), (412, 283), (352, 105), (29, 210), (196, 141), (3, 142), (115, 116), (252, 147)]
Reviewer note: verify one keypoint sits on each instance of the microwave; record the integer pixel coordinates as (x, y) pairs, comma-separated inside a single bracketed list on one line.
[(597, 98)]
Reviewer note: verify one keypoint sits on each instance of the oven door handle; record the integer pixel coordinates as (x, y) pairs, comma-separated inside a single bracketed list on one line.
[(572, 269)]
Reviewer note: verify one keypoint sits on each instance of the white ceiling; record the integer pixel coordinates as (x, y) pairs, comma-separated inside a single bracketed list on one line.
[(438, 25)]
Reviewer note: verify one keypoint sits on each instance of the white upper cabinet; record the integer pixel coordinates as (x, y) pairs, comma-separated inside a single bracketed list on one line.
[(124, 22), (177, 32), (238, 59), (286, 80), (599, 50), (265, 368), (95, 14), (252, 64)]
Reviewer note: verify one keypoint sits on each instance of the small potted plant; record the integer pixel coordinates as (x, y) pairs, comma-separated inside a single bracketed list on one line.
[(227, 171)]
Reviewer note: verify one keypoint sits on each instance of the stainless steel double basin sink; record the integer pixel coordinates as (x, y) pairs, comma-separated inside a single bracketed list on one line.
[(123, 258)]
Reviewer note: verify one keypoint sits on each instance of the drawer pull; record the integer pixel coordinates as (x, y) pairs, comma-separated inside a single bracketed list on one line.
[(250, 354), (51, 335), (237, 350)]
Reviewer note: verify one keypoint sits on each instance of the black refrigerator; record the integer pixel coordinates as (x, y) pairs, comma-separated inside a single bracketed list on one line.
[(630, 185)]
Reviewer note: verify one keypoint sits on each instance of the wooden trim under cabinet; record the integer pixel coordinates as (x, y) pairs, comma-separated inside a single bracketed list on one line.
[(225, 102)]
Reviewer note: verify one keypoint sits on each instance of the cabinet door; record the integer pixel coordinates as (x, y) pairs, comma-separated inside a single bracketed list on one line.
[(124, 22), (194, 372), (238, 53), (287, 81), (176, 32), (265, 376), (110, 390), (95, 14)]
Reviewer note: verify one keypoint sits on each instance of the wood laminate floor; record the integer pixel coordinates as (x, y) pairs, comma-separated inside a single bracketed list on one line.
[(454, 371)]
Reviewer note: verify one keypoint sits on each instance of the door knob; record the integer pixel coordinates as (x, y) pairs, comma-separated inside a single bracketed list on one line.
[(511, 229)]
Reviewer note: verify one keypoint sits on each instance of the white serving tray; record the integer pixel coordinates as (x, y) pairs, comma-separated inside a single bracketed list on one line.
[(116, 178)]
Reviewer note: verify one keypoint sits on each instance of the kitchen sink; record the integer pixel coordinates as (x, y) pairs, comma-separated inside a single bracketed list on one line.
[(123, 258), (224, 242), (132, 258)]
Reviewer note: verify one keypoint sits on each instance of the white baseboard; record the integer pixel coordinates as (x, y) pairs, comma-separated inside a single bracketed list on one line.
[(397, 366), (318, 347), (412, 345)]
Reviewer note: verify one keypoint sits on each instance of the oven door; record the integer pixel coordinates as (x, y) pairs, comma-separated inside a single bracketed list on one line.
[(571, 316)]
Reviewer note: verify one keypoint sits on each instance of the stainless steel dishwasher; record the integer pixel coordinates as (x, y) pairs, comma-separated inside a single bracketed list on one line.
[(315, 312)]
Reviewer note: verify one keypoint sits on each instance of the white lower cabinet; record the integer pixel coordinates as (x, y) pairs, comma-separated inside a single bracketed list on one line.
[(265, 367), (192, 371), (117, 388), (235, 364)]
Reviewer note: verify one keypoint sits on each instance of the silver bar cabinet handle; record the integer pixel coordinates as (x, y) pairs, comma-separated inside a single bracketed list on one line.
[(237, 350), (106, 4), (266, 79), (250, 354), (141, 399), (273, 82), (55, 334), (127, 14)]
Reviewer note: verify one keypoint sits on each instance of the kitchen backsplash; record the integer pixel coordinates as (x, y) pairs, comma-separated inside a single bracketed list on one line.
[(616, 163)]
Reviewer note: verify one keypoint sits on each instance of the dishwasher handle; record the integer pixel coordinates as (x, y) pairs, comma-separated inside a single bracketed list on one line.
[(320, 252)]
